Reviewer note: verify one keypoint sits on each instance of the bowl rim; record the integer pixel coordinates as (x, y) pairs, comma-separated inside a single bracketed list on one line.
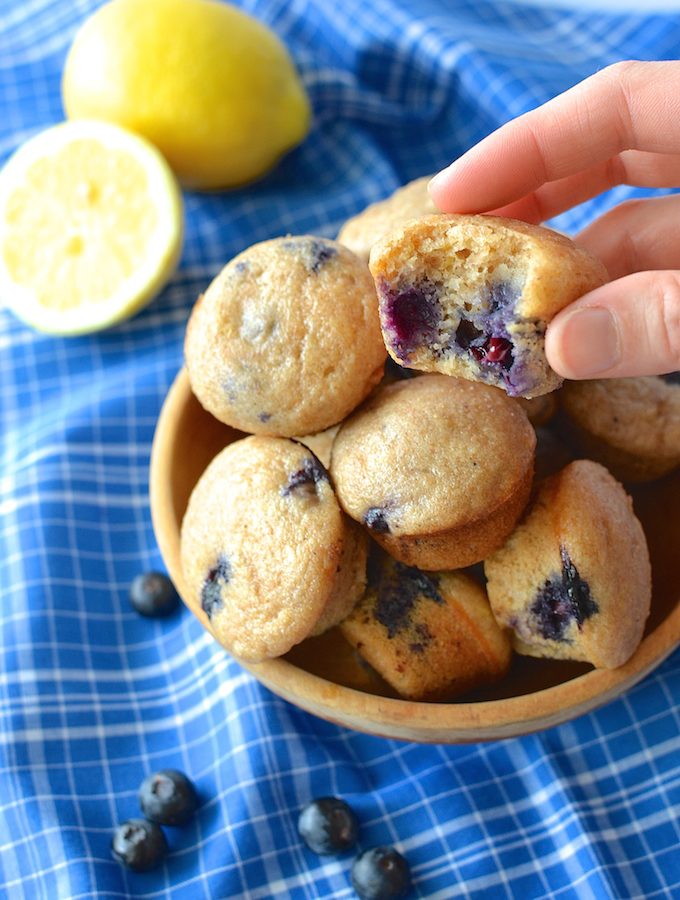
[(447, 722)]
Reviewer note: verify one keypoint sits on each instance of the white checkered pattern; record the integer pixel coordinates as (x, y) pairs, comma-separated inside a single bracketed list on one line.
[(93, 697)]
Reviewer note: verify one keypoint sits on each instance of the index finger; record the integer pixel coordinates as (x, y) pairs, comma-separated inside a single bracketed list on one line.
[(627, 106)]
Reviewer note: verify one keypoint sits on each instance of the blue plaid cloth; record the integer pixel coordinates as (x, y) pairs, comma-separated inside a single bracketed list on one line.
[(93, 697)]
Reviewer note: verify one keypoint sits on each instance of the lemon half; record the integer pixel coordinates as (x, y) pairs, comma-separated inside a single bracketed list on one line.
[(90, 227)]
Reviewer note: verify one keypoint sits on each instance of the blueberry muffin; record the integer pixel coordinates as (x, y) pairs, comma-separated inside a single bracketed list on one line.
[(574, 579), (630, 425), (286, 339), (472, 296), (438, 469), (408, 202), (266, 552), (431, 636)]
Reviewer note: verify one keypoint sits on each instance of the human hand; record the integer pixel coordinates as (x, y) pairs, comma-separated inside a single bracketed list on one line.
[(620, 126)]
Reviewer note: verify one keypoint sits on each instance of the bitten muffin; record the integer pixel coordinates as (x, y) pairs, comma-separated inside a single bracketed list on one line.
[(574, 579), (472, 296), (286, 339), (365, 229), (431, 636), (631, 425), (266, 552), (438, 469)]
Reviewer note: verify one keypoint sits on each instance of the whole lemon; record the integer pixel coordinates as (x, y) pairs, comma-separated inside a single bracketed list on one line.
[(215, 90)]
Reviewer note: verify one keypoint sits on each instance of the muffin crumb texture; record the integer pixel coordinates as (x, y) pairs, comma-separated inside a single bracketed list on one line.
[(472, 296)]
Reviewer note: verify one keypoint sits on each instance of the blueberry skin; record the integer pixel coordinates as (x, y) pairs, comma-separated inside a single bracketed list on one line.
[(305, 480), (381, 873), (412, 315), (139, 845), (153, 594), (328, 825), (211, 592), (399, 590), (376, 519), (562, 599), (168, 797)]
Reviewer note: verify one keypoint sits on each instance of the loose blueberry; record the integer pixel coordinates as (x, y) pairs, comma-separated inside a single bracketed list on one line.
[(328, 825), (381, 874), (305, 479), (562, 599), (211, 592), (139, 845), (376, 519), (168, 797), (153, 594)]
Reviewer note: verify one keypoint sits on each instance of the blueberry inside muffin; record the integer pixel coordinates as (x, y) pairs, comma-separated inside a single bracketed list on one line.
[(413, 315), (211, 593), (314, 251), (305, 479), (564, 598), (398, 591), (267, 554), (472, 296), (573, 580), (430, 635)]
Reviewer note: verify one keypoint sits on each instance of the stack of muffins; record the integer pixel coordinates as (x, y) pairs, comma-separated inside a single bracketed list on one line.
[(362, 501)]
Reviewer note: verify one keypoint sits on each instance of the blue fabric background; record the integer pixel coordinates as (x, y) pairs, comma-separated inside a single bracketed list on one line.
[(93, 697)]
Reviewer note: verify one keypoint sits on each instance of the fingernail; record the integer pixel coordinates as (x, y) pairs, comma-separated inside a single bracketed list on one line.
[(588, 341)]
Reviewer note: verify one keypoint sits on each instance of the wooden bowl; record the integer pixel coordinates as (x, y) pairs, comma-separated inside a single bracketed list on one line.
[(536, 694)]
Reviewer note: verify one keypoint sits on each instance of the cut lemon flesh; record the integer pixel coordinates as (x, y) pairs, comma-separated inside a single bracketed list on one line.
[(90, 227)]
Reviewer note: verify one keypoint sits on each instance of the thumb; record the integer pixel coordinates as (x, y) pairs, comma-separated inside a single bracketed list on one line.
[(630, 326)]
